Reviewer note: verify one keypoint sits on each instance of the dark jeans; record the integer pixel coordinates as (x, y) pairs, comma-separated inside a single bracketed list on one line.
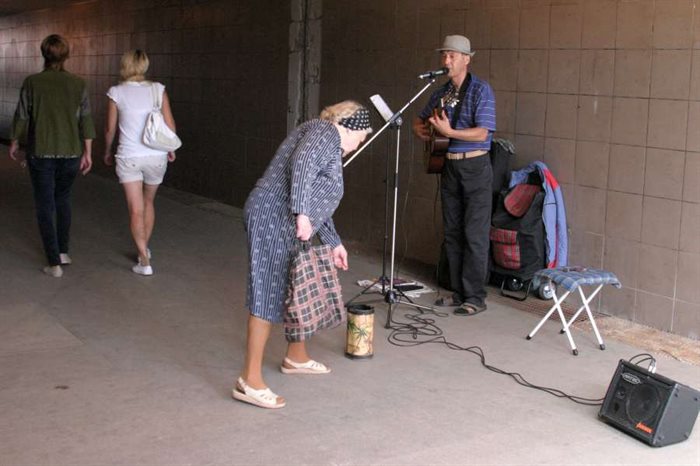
[(466, 213), (52, 180)]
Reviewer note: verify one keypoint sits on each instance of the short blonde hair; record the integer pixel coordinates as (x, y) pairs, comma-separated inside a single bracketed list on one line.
[(345, 109), (134, 65)]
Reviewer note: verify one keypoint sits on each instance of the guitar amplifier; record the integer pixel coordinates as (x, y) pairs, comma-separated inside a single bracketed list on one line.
[(650, 407)]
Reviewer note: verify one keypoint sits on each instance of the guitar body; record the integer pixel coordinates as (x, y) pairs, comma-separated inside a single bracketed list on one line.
[(435, 151), (436, 147)]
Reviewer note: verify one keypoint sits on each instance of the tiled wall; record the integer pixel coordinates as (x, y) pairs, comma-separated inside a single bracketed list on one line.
[(224, 67), (606, 92)]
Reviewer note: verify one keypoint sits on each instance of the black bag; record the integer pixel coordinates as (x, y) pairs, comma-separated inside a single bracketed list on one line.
[(502, 152), (518, 242)]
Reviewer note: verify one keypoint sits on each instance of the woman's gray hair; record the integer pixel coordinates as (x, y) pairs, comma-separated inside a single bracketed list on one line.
[(335, 113)]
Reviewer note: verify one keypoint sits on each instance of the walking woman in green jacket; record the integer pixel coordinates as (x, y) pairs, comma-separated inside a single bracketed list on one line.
[(54, 123)]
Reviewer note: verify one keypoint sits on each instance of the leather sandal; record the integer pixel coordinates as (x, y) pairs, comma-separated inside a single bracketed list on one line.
[(447, 301), (308, 367), (263, 398), (469, 309)]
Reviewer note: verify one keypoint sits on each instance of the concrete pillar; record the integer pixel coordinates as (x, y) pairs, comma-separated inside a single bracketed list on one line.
[(304, 61)]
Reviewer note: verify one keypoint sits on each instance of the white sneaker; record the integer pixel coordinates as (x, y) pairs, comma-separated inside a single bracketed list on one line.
[(148, 253), (65, 259), (142, 269), (54, 271)]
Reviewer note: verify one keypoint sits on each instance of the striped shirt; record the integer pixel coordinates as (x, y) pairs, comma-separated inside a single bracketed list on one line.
[(477, 111)]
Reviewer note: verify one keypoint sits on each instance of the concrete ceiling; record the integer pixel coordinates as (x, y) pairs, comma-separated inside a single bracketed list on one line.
[(12, 7)]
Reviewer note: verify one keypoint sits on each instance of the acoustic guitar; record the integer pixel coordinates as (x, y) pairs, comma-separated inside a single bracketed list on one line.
[(435, 151), (436, 147)]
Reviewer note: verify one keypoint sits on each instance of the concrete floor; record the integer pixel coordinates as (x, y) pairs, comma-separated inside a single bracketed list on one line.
[(106, 367)]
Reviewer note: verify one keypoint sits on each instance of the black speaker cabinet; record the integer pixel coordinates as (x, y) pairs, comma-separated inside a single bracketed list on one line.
[(650, 407)]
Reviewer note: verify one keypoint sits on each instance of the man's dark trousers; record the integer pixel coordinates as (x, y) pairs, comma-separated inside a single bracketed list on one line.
[(52, 179), (466, 212)]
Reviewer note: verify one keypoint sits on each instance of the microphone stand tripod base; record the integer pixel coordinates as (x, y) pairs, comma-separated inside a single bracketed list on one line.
[(391, 297), (394, 297)]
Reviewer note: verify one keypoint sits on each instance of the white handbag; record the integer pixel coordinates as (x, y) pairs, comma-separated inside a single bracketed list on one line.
[(157, 134)]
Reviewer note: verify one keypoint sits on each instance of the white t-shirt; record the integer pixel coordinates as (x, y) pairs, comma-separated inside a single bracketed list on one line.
[(134, 101)]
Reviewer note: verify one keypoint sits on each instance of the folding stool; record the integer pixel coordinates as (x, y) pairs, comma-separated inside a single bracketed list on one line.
[(571, 279)]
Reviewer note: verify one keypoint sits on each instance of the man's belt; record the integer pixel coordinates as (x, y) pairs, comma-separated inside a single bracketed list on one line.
[(465, 155)]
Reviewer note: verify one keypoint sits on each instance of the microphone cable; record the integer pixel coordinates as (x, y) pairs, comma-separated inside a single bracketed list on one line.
[(647, 357), (421, 329)]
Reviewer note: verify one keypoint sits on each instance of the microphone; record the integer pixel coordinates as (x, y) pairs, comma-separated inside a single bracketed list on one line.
[(384, 109), (433, 74)]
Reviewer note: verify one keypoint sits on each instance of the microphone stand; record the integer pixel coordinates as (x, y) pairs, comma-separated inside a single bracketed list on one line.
[(391, 295), (383, 279)]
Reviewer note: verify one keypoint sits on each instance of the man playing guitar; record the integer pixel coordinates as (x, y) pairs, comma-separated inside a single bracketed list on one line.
[(468, 119)]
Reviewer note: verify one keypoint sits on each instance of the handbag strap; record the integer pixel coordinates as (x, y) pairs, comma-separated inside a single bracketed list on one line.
[(156, 97), (301, 246)]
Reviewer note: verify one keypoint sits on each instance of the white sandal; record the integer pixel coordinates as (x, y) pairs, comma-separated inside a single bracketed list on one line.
[(264, 398), (308, 367)]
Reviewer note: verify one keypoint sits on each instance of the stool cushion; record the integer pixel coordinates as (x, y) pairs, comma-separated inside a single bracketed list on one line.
[(572, 277)]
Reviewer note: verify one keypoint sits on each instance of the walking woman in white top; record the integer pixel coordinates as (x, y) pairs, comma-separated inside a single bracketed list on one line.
[(140, 168)]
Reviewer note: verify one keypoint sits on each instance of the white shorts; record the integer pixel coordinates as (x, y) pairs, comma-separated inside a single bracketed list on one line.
[(150, 170)]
